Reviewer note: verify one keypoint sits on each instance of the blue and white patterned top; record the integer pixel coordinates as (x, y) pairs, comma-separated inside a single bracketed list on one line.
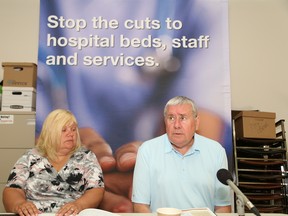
[(49, 189)]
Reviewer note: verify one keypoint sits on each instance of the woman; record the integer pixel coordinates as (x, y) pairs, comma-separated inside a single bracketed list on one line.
[(58, 175)]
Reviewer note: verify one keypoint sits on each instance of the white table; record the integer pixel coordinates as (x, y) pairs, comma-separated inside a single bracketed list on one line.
[(219, 214)]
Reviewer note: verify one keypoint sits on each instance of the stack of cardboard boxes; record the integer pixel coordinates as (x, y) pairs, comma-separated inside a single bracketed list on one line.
[(19, 86)]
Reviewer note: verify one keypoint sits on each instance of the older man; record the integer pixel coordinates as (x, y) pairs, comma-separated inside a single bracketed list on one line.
[(178, 169)]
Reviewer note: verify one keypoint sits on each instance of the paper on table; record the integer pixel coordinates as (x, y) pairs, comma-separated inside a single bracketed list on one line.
[(47, 214), (88, 212), (94, 212), (197, 212)]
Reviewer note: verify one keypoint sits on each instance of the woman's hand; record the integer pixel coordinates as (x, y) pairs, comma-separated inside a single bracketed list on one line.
[(70, 208), (27, 208), (14, 200)]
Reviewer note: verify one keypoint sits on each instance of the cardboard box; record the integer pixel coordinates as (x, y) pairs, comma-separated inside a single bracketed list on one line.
[(253, 124), (19, 74), (18, 99)]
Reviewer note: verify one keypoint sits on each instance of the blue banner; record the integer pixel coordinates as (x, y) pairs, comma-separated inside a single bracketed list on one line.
[(115, 64)]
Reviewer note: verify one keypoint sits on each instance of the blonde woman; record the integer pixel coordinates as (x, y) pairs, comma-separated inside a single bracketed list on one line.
[(58, 175)]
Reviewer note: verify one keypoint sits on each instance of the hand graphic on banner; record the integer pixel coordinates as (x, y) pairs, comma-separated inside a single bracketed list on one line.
[(117, 168)]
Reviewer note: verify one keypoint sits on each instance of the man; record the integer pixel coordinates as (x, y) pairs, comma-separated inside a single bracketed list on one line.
[(178, 169)]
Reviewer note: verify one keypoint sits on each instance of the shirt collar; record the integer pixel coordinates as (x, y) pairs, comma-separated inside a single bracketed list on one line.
[(196, 147)]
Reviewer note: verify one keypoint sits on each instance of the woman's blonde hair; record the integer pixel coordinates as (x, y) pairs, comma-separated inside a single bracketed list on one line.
[(50, 136)]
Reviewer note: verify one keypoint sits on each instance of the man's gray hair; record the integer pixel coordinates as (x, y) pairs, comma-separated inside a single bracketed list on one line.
[(179, 100)]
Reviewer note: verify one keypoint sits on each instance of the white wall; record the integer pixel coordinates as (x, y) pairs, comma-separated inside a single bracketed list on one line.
[(259, 55), (19, 26), (258, 49)]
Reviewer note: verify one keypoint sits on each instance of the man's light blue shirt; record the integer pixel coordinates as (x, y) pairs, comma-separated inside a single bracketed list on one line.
[(165, 178)]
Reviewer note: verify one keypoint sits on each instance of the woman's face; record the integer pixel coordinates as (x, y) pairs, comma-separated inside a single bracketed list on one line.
[(68, 138)]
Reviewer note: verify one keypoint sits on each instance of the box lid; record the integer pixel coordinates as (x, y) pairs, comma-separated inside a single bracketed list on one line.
[(18, 64), (256, 114), (12, 88)]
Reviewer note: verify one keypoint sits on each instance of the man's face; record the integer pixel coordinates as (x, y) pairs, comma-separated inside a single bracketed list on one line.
[(181, 125)]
